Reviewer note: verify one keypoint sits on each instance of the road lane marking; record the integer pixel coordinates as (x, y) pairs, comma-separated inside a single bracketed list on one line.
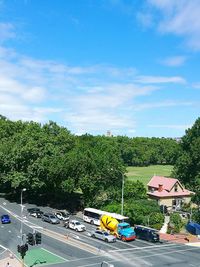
[(168, 252), (54, 254), (141, 248), (3, 247)]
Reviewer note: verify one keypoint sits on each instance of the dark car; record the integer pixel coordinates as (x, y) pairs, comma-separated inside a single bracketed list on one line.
[(31, 210), (35, 212), (146, 233), (5, 219), (50, 218)]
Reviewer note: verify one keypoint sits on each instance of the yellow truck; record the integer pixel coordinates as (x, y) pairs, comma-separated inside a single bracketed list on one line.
[(121, 230)]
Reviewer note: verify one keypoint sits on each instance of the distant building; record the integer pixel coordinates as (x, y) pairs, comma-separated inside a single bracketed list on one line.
[(109, 134), (168, 192)]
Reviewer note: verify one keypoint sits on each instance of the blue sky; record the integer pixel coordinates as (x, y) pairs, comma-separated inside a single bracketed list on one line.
[(128, 66)]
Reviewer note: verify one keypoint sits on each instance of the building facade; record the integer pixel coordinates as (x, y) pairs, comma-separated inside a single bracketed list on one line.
[(168, 192)]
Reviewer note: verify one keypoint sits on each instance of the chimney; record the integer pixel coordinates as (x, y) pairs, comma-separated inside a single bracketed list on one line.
[(160, 187)]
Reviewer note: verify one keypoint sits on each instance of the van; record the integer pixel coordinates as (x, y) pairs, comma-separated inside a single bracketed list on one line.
[(146, 233)]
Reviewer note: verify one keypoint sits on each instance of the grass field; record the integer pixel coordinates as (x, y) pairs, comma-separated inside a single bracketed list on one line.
[(144, 174)]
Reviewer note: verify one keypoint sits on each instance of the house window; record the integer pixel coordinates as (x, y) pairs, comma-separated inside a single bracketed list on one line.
[(176, 188)]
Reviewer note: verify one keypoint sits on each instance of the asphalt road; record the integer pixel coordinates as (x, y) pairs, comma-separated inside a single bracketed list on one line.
[(80, 250)]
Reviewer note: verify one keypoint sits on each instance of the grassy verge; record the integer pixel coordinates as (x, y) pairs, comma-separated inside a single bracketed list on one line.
[(144, 174)]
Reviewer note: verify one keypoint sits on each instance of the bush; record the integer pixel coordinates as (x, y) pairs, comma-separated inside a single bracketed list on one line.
[(156, 220), (176, 222)]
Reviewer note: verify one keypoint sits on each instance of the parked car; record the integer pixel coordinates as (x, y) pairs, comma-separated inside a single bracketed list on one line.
[(75, 225), (32, 210), (50, 218), (5, 219), (146, 233), (61, 215), (36, 214), (103, 235)]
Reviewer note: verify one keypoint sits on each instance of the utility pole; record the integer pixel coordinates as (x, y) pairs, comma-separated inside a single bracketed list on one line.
[(23, 248), (122, 201)]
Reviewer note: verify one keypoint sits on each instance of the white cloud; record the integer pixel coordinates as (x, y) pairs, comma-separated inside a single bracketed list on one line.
[(84, 98), (160, 79), (160, 104), (6, 32), (180, 17), (170, 126), (145, 19), (196, 85), (175, 61)]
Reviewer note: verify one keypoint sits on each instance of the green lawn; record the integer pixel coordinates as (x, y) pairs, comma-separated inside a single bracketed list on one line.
[(41, 257), (144, 174)]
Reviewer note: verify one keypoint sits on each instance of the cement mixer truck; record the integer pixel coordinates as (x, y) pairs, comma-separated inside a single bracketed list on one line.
[(121, 230)]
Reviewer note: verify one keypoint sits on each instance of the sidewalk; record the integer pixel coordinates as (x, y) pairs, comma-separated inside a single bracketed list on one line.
[(180, 238), (12, 262), (6, 257)]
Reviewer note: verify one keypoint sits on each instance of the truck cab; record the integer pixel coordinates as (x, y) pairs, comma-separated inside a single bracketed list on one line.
[(125, 232)]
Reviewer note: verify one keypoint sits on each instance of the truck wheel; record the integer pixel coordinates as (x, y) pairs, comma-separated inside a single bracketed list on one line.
[(123, 238)]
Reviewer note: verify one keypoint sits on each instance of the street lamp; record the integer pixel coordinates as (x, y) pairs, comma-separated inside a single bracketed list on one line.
[(21, 229), (122, 201)]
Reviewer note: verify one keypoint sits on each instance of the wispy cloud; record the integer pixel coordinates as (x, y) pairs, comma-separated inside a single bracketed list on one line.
[(6, 32), (160, 79), (90, 98), (174, 61), (180, 17), (170, 126), (163, 104), (196, 85)]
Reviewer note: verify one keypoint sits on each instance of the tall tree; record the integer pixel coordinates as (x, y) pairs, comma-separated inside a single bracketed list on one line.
[(187, 167)]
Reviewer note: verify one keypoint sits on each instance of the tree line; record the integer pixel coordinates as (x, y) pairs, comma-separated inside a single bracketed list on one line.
[(51, 162)]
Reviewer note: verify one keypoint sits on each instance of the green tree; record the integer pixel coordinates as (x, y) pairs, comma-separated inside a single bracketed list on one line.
[(187, 167)]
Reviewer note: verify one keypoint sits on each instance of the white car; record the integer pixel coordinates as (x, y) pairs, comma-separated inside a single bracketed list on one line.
[(76, 225), (61, 215)]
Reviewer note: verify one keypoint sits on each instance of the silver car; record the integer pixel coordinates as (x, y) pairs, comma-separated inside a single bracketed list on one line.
[(100, 234), (50, 218)]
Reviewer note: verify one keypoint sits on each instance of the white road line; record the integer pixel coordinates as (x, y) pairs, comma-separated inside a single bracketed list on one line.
[(141, 248), (2, 252), (174, 251), (54, 254), (3, 247)]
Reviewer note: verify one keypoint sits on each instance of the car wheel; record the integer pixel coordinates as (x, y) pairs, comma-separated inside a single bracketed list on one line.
[(123, 238), (76, 230), (92, 222), (93, 235), (106, 240)]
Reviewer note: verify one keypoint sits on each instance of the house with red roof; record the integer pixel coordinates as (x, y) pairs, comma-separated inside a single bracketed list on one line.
[(168, 192)]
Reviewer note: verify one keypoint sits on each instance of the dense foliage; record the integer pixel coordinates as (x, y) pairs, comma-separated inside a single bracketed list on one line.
[(141, 151), (175, 223), (187, 167), (51, 162)]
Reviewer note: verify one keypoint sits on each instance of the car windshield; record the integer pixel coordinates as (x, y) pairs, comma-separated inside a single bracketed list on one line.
[(154, 234), (77, 223), (5, 216), (105, 233), (64, 214), (124, 227), (52, 217)]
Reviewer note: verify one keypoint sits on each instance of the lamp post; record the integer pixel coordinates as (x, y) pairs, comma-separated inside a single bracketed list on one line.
[(122, 200), (21, 229)]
